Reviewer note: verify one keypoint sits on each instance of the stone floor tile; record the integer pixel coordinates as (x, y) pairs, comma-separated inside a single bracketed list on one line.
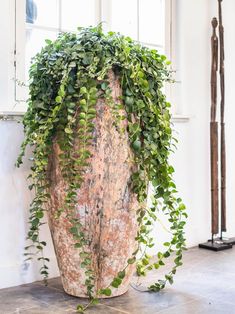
[(54, 283), (147, 302), (50, 309), (17, 297), (201, 306)]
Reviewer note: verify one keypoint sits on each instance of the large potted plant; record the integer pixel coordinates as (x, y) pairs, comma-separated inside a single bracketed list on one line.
[(99, 125)]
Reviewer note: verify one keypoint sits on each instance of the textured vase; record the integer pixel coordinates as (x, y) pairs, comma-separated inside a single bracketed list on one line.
[(106, 205)]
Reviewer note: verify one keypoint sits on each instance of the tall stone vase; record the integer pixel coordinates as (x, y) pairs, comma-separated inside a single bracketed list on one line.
[(106, 205)]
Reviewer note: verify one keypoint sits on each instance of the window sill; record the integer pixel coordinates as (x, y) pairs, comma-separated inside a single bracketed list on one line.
[(17, 116), (178, 118), (11, 116)]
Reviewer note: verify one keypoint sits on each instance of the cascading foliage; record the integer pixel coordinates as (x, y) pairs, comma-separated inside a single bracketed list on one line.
[(66, 79)]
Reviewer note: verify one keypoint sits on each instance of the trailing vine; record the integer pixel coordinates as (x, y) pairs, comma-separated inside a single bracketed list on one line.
[(66, 79)]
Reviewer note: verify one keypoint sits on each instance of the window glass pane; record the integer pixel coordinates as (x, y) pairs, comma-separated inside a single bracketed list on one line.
[(123, 17), (42, 12), (35, 40), (152, 21), (77, 13)]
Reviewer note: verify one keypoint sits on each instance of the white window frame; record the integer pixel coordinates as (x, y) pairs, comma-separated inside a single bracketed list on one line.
[(20, 39), (7, 57), (16, 25), (170, 51)]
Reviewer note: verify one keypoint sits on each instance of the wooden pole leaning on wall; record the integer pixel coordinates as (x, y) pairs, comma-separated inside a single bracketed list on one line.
[(214, 133), (222, 125), (220, 243), (222, 132), (214, 244)]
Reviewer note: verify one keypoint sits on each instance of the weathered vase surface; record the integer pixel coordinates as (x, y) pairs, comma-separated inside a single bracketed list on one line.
[(106, 205)]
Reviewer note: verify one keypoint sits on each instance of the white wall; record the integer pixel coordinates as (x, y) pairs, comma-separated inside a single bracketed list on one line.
[(191, 159), (14, 203)]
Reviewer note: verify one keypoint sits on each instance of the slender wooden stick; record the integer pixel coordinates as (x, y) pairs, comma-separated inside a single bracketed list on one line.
[(214, 132), (222, 124)]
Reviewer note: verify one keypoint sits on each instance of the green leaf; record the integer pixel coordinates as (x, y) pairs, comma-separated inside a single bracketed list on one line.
[(83, 102), (166, 244), (58, 99), (131, 260), (39, 214), (156, 265), (92, 110), (94, 301), (171, 170), (166, 254), (68, 131), (122, 274), (35, 222), (116, 282), (145, 261), (104, 85), (83, 254), (77, 245), (83, 90), (106, 292), (82, 122), (73, 230), (87, 59), (129, 101), (72, 64), (136, 145), (82, 115), (80, 308), (48, 41)]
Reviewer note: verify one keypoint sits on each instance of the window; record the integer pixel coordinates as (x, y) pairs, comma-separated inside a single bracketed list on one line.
[(37, 20), (44, 19), (143, 20)]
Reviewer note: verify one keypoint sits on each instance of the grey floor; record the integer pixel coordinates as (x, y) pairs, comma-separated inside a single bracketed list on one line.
[(204, 285)]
